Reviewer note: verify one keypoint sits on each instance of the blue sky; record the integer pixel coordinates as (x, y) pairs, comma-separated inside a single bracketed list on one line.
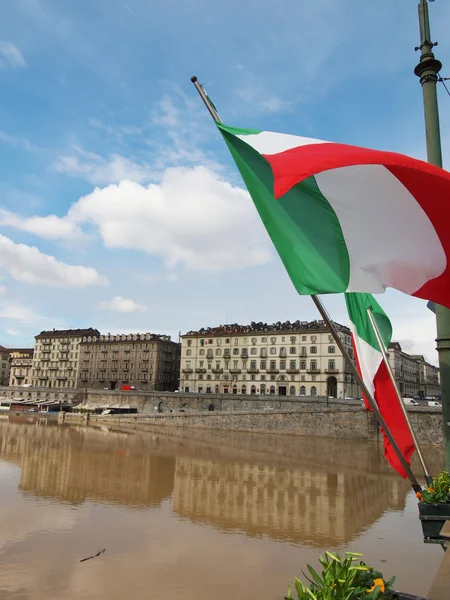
[(120, 208)]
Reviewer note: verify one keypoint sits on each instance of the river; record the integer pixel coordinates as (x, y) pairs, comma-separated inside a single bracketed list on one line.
[(195, 515)]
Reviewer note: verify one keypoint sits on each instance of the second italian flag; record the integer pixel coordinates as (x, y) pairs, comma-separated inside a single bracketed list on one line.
[(372, 369)]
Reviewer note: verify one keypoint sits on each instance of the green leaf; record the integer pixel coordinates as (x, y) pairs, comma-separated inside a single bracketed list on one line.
[(333, 556), (315, 575)]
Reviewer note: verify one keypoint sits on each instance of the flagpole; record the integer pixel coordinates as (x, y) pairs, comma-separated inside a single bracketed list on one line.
[(334, 332), (428, 477)]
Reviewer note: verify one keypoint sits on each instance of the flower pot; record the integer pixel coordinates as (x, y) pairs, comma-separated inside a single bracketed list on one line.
[(404, 596), (433, 517)]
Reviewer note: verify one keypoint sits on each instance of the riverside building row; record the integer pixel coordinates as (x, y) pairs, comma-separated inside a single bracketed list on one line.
[(83, 358)]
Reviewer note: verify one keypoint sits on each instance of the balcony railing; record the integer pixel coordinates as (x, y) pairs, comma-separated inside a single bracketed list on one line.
[(200, 370), (235, 371), (187, 370), (293, 370), (331, 370), (313, 371), (218, 371), (252, 370), (273, 371)]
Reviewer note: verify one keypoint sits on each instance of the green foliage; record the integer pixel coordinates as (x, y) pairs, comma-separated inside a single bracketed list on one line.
[(342, 579), (439, 490)]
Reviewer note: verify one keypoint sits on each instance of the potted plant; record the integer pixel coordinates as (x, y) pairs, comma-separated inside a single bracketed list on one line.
[(434, 506), (347, 578)]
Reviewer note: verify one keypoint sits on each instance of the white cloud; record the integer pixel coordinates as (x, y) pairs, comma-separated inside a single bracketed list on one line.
[(29, 265), (416, 335), (123, 305), (2, 290), (50, 227), (17, 312), (10, 56), (102, 171), (192, 218), (12, 332)]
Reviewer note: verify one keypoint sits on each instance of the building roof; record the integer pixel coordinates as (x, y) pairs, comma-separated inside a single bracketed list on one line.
[(286, 327), (22, 350), (57, 333), (131, 337)]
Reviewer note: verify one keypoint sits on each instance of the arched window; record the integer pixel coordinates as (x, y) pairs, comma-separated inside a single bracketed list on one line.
[(263, 388), (313, 391), (302, 390), (188, 352), (253, 389), (292, 390), (272, 390), (244, 389), (201, 352), (218, 351), (216, 389)]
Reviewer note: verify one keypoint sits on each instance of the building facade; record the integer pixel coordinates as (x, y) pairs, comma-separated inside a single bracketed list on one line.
[(56, 359), (21, 366), (143, 360), (5, 365), (415, 376), (298, 359)]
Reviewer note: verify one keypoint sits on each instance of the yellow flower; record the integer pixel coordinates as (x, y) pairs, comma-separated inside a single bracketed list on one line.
[(430, 489), (377, 582)]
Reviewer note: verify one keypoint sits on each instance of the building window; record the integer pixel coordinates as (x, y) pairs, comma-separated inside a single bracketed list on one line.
[(273, 365), (201, 352), (235, 364), (273, 340), (264, 340), (293, 339), (303, 364), (253, 389), (331, 365), (331, 349), (253, 350), (282, 364), (254, 340), (201, 363), (313, 365), (273, 351), (263, 388), (244, 389), (262, 364), (314, 391), (188, 352), (313, 349), (303, 338), (218, 351), (263, 352), (253, 364), (292, 364), (292, 350), (302, 378), (292, 390), (236, 341), (272, 390), (314, 338), (235, 350), (263, 377), (219, 341)]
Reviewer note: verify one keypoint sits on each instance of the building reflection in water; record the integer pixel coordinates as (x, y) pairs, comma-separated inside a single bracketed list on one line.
[(317, 492)]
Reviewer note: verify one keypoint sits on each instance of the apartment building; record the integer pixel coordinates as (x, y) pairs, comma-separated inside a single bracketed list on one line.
[(298, 359), (144, 360), (56, 357), (21, 366), (415, 376), (5, 365)]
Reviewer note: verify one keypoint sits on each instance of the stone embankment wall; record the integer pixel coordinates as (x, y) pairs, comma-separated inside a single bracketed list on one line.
[(333, 422)]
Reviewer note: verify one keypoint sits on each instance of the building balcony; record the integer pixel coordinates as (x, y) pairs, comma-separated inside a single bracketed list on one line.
[(244, 354), (226, 354), (53, 368), (331, 370), (217, 371), (46, 351), (63, 377), (252, 370), (45, 359), (282, 354), (187, 370), (200, 370), (235, 371), (263, 355), (313, 371), (46, 342), (19, 376), (292, 371), (273, 371), (43, 378)]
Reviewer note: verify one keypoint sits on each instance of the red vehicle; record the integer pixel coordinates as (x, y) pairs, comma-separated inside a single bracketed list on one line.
[(127, 388)]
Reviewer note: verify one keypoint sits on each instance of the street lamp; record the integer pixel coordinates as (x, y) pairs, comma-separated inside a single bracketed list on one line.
[(427, 70)]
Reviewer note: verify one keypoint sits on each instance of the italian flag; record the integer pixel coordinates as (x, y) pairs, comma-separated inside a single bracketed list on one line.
[(348, 219), (374, 373)]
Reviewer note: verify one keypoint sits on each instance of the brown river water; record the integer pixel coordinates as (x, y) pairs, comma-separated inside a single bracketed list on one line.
[(195, 515)]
